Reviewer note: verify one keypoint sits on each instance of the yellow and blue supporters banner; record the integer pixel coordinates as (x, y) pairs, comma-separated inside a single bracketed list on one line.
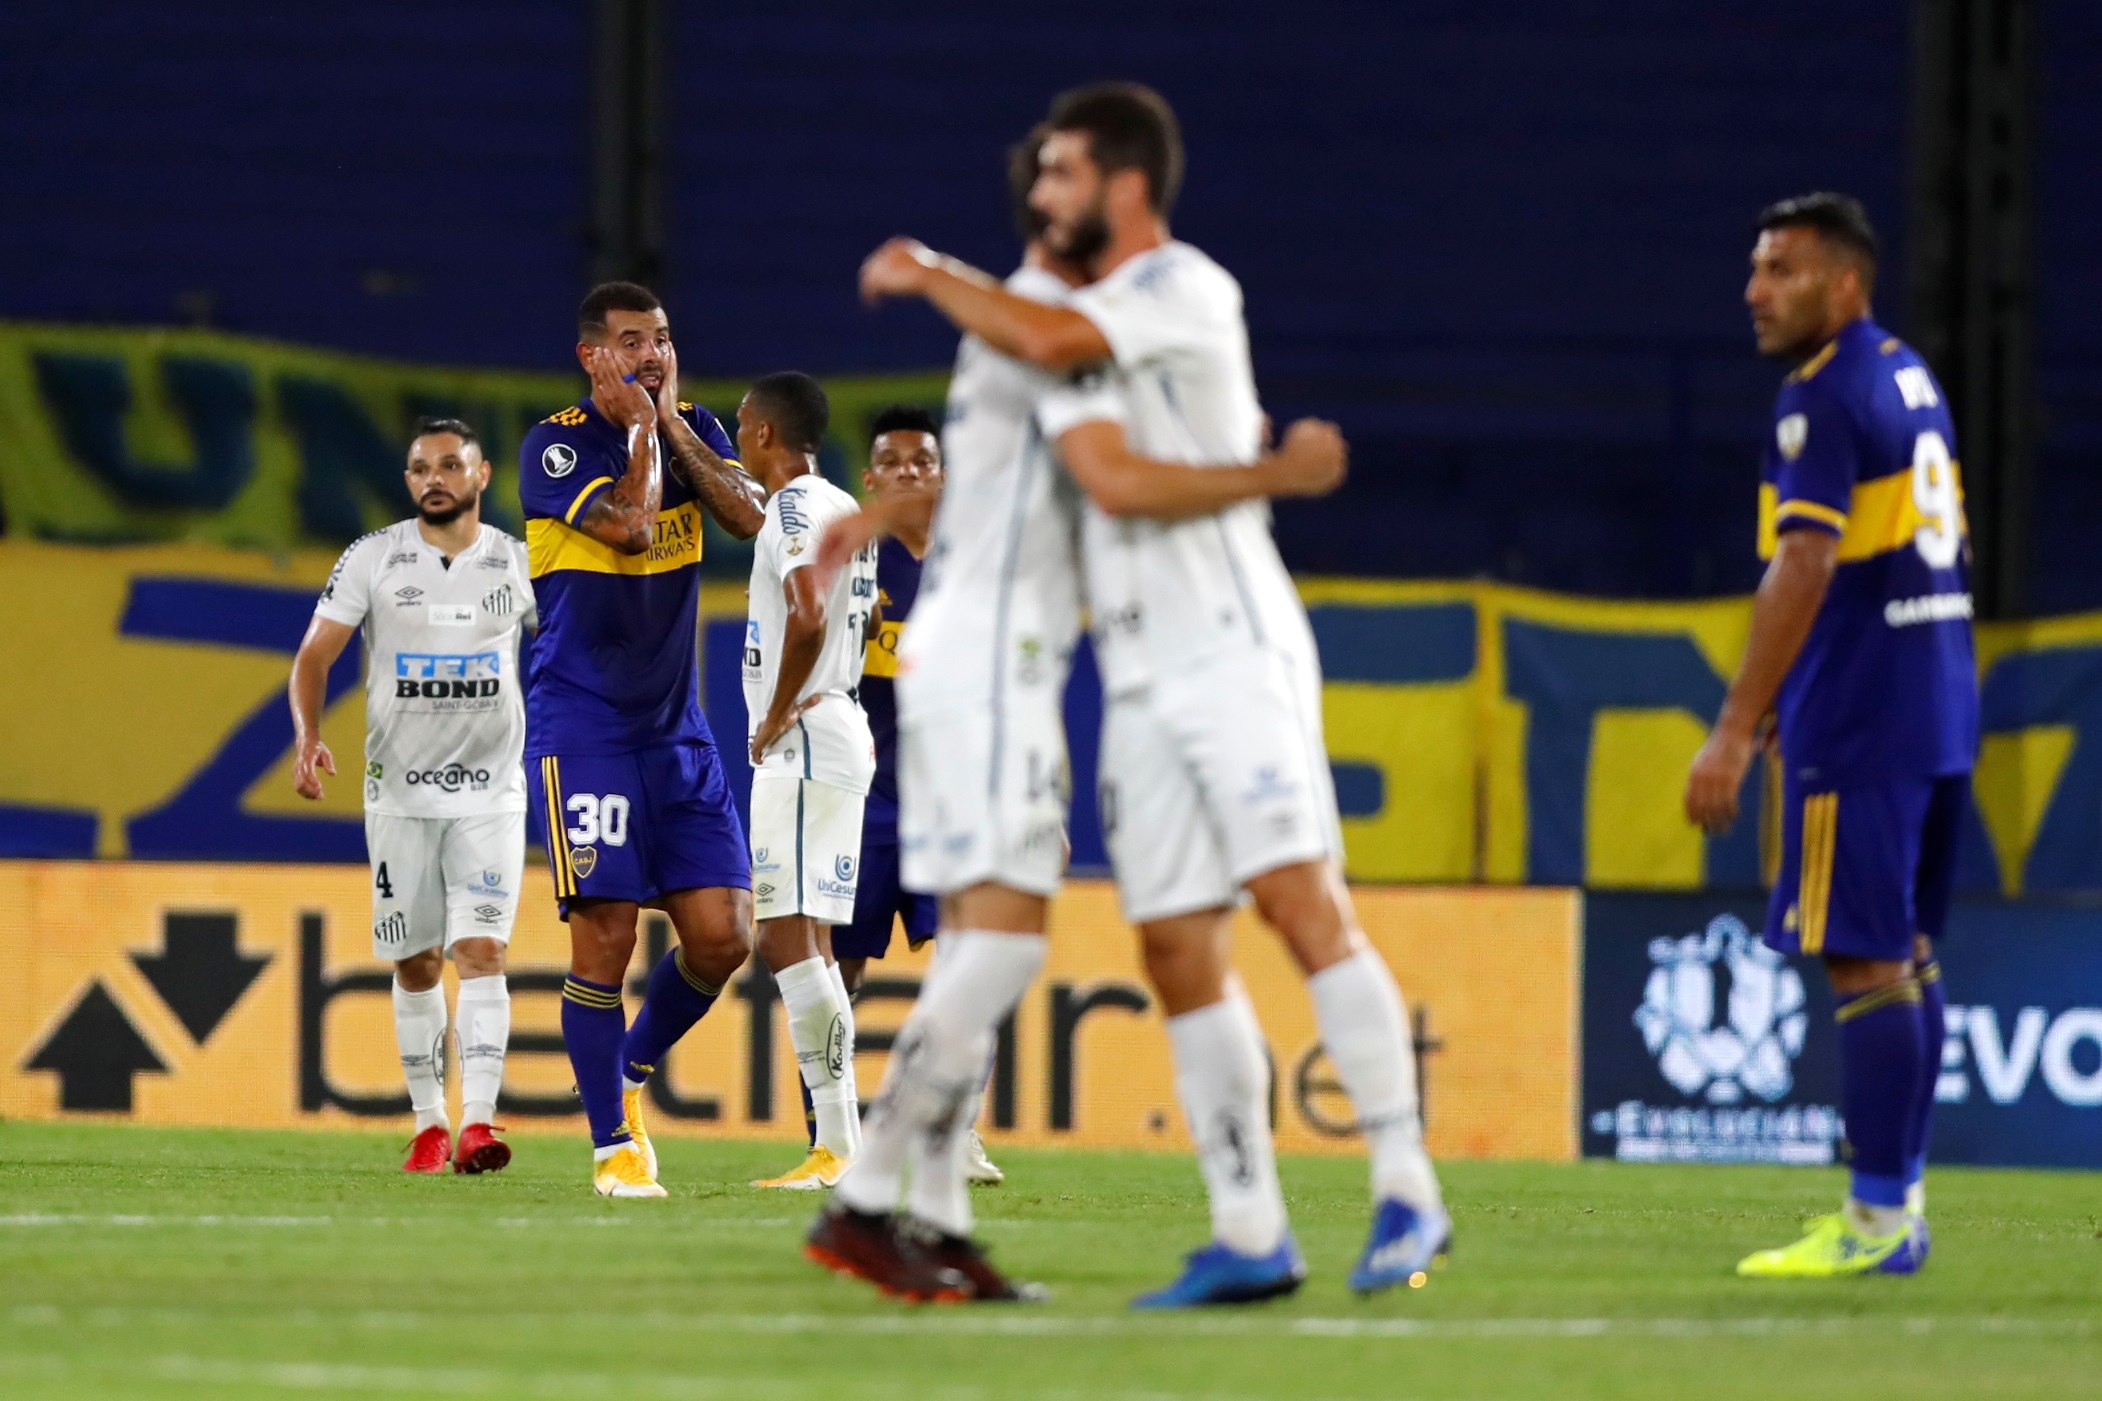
[(1479, 733), (129, 435)]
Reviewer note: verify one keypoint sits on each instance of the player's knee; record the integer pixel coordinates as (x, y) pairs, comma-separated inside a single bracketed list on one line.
[(419, 972), (715, 949), (479, 958), (1303, 905), (600, 950)]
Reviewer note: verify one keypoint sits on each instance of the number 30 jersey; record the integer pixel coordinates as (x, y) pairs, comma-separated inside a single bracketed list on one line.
[(1863, 448)]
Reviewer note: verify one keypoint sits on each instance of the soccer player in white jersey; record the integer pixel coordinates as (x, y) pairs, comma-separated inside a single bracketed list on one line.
[(982, 770), (1215, 778), (442, 600), (812, 755)]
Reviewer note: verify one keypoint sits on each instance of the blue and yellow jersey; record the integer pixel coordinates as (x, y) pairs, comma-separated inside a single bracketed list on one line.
[(1863, 448), (616, 665), (897, 585)]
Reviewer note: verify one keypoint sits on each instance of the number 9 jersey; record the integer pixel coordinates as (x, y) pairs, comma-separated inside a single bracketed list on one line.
[(1863, 448)]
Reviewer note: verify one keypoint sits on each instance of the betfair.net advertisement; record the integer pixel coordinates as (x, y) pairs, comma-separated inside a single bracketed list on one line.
[(189, 993)]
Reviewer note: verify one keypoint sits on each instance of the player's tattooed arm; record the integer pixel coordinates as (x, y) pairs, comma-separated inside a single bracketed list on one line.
[(1057, 338), (736, 501), (1311, 461), (325, 640), (1789, 597), (625, 516), (802, 639)]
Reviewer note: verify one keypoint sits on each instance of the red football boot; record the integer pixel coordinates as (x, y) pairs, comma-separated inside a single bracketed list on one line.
[(481, 1150), (430, 1150)]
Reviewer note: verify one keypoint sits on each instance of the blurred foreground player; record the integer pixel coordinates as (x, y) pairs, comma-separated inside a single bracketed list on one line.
[(812, 758), (1214, 775), (442, 600), (982, 759), (636, 802), (1861, 648), (904, 477)]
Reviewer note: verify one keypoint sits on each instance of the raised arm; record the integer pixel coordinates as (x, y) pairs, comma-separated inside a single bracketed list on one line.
[(1311, 461), (625, 516), (1783, 612), (318, 651), (801, 641), (736, 501), (1056, 338)]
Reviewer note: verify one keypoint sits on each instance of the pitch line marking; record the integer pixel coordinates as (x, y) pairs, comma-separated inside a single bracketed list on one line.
[(969, 1323)]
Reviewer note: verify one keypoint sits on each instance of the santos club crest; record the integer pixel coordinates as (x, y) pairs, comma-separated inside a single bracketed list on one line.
[(1723, 1014)]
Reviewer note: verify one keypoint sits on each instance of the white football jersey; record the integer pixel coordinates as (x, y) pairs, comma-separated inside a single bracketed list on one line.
[(998, 610), (831, 743), (1165, 594), (444, 703)]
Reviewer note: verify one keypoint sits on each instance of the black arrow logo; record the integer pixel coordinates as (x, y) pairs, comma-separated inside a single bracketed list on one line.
[(201, 975), (96, 1050)]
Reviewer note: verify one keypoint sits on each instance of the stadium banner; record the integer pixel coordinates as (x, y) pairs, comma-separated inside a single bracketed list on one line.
[(128, 434), (188, 993), (1479, 734), (1703, 1045)]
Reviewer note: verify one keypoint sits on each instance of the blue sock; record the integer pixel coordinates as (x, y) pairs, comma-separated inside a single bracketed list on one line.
[(674, 1000), (592, 1026), (1934, 1017), (1882, 1053)]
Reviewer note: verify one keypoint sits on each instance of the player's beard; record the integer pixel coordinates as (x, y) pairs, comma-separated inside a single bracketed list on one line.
[(1085, 239), (446, 515)]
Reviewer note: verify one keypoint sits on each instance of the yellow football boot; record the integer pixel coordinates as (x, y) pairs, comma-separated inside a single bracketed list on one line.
[(625, 1174), (631, 1111), (822, 1169), (1835, 1246)]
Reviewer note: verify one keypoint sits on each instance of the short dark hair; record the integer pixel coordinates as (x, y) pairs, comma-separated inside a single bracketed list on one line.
[(612, 296), (1023, 160), (903, 418), (457, 427), (1839, 218), (796, 405), (1129, 126)]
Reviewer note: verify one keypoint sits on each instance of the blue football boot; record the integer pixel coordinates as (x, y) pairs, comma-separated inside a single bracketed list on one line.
[(1217, 1275), (1404, 1244), (1909, 1257)]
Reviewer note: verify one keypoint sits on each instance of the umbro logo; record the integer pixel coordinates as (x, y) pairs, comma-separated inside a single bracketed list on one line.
[(407, 596)]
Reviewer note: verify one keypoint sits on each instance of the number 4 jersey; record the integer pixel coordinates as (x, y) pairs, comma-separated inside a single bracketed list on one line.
[(1863, 448), (444, 704)]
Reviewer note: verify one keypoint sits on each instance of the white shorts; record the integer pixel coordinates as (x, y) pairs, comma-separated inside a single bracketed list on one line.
[(982, 798), (806, 848), (1213, 777), (438, 880)]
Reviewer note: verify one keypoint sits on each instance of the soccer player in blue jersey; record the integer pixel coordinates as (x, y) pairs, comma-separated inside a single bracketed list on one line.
[(1861, 653), (905, 471), (621, 766)]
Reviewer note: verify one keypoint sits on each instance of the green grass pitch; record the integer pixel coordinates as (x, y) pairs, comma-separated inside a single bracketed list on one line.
[(193, 1263)]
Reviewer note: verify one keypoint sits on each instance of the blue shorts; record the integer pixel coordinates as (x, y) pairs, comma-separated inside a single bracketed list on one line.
[(881, 900), (638, 826), (1866, 867)]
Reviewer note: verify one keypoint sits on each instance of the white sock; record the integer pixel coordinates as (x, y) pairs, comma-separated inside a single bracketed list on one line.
[(419, 1030), (1223, 1080), (941, 1190), (1916, 1198), (853, 1088), (1876, 1220), (1365, 1030), (820, 1026), (938, 1062), (484, 1018)]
